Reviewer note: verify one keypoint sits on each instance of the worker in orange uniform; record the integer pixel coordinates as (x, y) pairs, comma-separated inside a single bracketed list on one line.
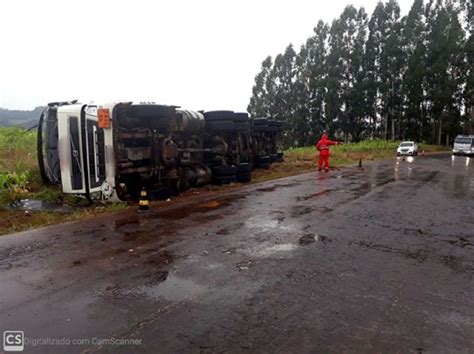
[(323, 148)]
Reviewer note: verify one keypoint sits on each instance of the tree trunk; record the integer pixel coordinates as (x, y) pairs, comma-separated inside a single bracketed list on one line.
[(399, 133), (385, 127), (440, 129), (420, 136), (471, 121), (393, 129)]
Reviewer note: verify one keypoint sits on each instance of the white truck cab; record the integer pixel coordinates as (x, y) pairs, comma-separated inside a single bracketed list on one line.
[(79, 153)]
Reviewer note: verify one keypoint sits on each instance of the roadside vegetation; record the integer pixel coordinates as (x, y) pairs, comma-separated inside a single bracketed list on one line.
[(20, 178), (304, 159)]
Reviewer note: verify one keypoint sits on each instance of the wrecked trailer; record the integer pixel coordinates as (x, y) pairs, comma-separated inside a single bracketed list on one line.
[(112, 151)]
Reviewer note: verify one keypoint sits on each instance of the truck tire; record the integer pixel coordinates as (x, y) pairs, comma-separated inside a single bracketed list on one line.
[(262, 129), (263, 159), (260, 121), (213, 116), (263, 162), (242, 126), (241, 117), (224, 126), (220, 180), (244, 167), (263, 165), (224, 170), (244, 177), (280, 157)]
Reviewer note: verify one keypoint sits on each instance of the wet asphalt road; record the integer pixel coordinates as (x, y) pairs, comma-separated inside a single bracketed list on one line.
[(373, 260)]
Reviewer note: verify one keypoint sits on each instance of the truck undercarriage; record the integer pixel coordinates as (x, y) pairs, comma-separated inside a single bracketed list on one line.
[(163, 149)]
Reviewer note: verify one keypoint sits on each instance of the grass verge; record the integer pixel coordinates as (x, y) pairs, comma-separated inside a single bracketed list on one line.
[(304, 159)]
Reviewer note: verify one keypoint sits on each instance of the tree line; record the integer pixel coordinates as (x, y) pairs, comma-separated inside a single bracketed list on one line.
[(381, 76)]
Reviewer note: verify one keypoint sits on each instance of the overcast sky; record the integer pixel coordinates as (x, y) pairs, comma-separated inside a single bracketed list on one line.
[(199, 54)]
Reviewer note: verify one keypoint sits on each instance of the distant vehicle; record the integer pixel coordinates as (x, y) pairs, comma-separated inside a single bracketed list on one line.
[(407, 148), (464, 145)]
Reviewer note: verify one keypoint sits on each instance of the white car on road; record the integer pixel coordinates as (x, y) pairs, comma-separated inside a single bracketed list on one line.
[(407, 148)]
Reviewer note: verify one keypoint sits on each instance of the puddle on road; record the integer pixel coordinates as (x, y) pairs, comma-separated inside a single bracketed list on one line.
[(261, 222), (39, 205), (276, 249)]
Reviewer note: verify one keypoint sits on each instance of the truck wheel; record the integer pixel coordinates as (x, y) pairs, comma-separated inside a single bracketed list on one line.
[(220, 125), (224, 170), (241, 117), (280, 157), (244, 177), (242, 126), (260, 121), (244, 167), (263, 165), (213, 116), (263, 159), (263, 129), (220, 180)]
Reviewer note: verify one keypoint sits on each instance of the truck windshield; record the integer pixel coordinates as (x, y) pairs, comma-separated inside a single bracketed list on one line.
[(463, 141)]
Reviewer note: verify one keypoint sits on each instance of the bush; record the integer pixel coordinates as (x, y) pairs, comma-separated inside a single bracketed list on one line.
[(18, 166)]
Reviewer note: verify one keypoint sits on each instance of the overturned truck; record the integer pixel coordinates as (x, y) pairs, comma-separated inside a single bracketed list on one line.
[(112, 151)]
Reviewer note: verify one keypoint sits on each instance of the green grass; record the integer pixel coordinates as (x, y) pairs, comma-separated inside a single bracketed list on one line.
[(20, 179), (304, 159), (367, 150), (19, 174)]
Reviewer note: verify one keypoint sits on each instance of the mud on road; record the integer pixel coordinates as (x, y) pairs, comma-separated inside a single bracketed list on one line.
[(379, 259)]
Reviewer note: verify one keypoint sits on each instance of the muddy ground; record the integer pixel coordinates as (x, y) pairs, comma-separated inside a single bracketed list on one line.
[(379, 259)]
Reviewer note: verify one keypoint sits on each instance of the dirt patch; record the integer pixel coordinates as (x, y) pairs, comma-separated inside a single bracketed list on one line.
[(456, 264)]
